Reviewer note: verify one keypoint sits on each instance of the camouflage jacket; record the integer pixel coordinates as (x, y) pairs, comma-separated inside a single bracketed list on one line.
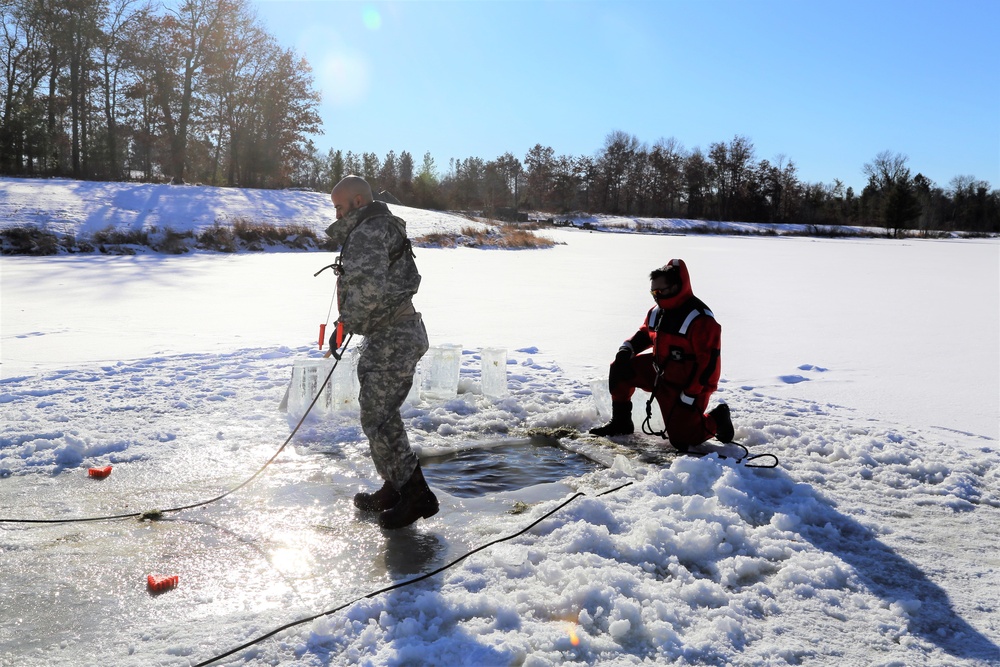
[(378, 276)]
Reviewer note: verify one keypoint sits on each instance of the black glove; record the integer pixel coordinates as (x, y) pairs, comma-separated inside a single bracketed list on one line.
[(621, 368)]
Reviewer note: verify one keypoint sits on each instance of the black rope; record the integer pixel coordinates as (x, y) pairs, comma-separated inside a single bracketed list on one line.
[(744, 460), (647, 428), (647, 423), (401, 584), (155, 514), (761, 465)]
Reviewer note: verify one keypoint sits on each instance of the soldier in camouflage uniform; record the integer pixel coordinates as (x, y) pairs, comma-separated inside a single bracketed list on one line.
[(377, 279)]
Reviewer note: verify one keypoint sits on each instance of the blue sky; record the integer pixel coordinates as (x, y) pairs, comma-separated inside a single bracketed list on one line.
[(827, 85)]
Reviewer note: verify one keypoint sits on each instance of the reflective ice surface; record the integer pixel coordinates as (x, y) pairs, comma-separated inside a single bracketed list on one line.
[(287, 546)]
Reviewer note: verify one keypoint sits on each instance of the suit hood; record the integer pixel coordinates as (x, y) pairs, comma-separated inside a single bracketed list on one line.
[(678, 270)]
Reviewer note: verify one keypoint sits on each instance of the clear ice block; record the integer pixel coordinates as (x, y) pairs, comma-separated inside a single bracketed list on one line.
[(440, 371), (309, 379), (493, 371)]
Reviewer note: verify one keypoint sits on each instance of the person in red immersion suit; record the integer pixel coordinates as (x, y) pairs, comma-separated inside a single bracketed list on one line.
[(682, 371)]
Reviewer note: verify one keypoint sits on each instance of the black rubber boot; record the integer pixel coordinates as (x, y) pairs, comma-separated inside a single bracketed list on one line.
[(724, 430), (621, 421), (383, 499), (416, 501)]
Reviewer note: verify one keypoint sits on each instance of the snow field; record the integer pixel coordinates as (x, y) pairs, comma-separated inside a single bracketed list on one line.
[(868, 366), (702, 563)]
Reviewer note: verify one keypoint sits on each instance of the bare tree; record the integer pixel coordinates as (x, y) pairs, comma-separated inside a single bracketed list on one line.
[(614, 162), (113, 48), (732, 174), (178, 54), (887, 169), (666, 161), (23, 65), (889, 194)]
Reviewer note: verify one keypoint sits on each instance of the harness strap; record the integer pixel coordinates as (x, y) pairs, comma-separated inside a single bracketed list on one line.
[(406, 248), (673, 354)]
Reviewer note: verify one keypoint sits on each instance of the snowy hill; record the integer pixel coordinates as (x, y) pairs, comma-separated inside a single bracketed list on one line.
[(83, 208)]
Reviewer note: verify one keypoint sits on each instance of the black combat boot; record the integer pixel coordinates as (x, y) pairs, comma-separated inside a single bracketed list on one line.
[(724, 430), (383, 499), (416, 501), (621, 421)]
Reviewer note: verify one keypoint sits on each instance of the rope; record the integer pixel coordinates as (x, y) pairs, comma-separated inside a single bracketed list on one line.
[(401, 584), (156, 514), (740, 459), (647, 428)]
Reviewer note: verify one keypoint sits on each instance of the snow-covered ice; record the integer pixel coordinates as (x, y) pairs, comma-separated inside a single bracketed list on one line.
[(870, 367)]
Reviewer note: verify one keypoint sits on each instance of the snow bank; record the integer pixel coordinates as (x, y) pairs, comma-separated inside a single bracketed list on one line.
[(81, 208)]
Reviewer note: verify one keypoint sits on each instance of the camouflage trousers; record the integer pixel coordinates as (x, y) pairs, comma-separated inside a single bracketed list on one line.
[(385, 371)]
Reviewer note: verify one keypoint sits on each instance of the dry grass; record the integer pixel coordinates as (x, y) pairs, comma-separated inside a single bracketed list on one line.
[(507, 237), (117, 237), (228, 237), (246, 234), (28, 241), (250, 231)]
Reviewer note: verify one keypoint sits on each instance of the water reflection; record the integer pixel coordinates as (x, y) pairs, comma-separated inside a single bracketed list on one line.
[(516, 464), (409, 552)]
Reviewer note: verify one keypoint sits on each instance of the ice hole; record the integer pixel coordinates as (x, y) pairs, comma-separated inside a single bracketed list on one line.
[(516, 464)]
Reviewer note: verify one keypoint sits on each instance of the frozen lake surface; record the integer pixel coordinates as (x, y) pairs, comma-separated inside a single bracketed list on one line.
[(874, 542)]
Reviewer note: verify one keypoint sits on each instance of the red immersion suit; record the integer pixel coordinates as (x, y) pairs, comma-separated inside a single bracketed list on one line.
[(683, 369)]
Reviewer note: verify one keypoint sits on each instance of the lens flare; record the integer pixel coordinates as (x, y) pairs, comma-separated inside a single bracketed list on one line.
[(371, 18), (573, 638)]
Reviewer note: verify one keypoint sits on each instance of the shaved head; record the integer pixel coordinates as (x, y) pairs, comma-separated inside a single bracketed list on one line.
[(355, 185), (350, 193)]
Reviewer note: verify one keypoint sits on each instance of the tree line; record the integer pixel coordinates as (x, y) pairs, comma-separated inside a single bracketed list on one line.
[(199, 91), (131, 90), (628, 177)]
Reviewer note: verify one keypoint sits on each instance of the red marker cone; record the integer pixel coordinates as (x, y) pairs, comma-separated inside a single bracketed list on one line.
[(99, 473)]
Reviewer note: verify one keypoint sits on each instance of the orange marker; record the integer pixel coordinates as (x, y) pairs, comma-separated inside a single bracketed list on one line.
[(99, 473), (322, 335), (340, 334), (158, 583)]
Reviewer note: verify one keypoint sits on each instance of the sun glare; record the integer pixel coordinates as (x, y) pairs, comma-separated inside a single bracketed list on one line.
[(291, 561), (372, 19), (344, 79)]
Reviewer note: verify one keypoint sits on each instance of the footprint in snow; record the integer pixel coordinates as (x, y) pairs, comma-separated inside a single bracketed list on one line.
[(795, 378), (810, 367)]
